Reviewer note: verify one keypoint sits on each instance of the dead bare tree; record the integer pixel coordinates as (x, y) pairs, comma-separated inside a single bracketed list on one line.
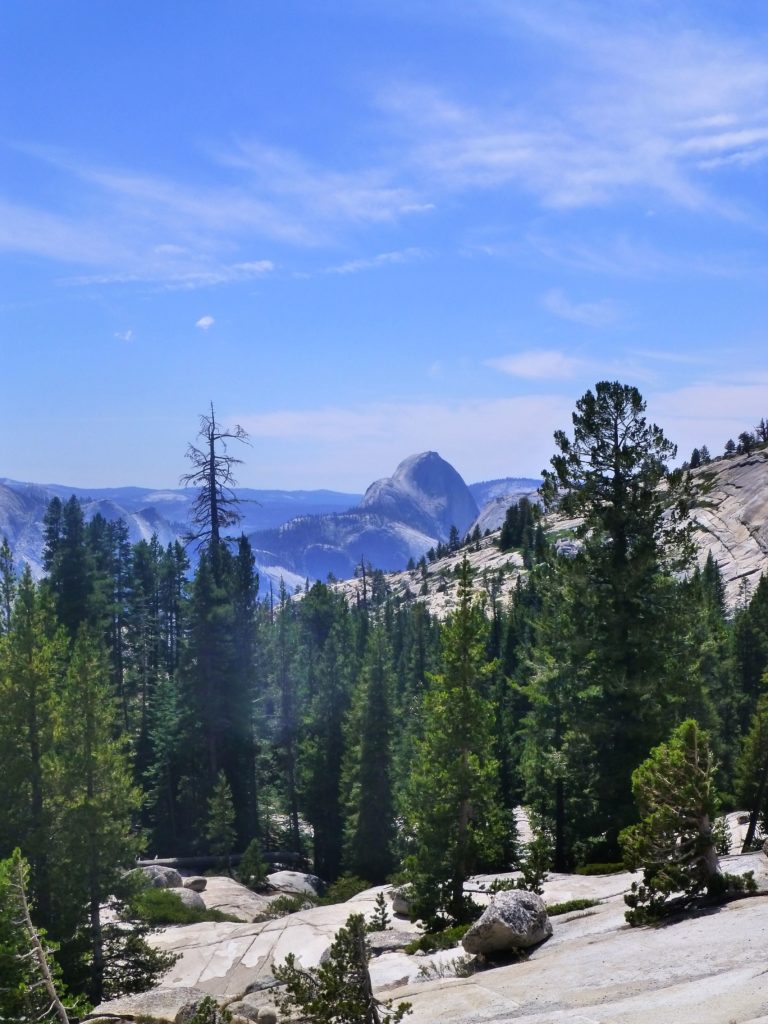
[(215, 507)]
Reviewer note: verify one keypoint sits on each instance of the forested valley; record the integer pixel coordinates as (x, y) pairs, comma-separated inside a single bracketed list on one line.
[(152, 709)]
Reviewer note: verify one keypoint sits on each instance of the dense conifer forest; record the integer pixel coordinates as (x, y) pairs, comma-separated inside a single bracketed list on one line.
[(152, 708)]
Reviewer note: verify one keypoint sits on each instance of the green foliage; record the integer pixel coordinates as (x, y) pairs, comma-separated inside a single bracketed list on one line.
[(609, 868), (612, 667), (369, 829), (556, 909), (209, 1012), (339, 990), (380, 920), (452, 805), (220, 828), (673, 842), (159, 907), (252, 871), (344, 888), (26, 957), (281, 906), (431, 942)]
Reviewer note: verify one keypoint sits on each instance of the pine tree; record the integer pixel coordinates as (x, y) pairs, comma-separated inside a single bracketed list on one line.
[(67, 562), (32, 664), (95, 807), (637, 665), (453, 813), (752, 771), (369, 828), (220, 828), (8, 586), (673, 842), (339, 990)]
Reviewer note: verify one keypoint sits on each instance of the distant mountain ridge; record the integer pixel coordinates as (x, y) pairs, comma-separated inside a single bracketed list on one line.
[(295, 534)]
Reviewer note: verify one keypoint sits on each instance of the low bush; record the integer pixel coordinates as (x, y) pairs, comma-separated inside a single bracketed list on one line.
[(162, 907), (431, 942), (286, 904), (565, 908), (610, 868), (343, 889)]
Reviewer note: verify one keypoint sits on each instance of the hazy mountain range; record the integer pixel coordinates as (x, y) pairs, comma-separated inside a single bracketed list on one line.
[(295, 534)]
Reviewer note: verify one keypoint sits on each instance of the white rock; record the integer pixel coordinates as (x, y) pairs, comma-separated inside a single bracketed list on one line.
[(295, 882), (514, 919), (161, 877)]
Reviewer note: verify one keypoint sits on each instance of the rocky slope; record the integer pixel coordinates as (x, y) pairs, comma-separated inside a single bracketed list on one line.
[(705, 969), (730, 519)]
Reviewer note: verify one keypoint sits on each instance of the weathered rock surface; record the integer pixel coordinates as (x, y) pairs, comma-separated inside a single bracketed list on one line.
[(388, 940), (174, 1005), (401, 901), (731, 519), (513, 920), (295, 882), (161, 877), (196, 883), (225, 958), (705, 970), (188, 897), (230, 897)]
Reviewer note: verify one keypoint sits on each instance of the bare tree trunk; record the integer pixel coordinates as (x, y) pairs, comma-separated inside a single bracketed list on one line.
[(38, 950)]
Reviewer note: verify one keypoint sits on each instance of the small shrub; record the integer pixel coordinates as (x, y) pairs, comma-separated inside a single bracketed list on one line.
[(281, 906), (459, 967), (721, 833), (431, 942), (380, 920), (209, 1012), (339, 989), (565, 908), (344, 888), (252, 871), (609, 868), (162, 907)]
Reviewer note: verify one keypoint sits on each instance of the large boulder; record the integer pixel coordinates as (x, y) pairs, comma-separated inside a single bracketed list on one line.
[(514, 919), (402, 901), (161, 877), (295, 882), (188, 897)]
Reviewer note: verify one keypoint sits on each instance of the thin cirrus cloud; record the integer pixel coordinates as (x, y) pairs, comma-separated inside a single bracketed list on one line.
[(362, 442), (539, 364), (493, 436), (589, 314), (630, 110)]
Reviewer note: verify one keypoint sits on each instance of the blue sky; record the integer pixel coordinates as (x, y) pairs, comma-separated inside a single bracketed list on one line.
[(365, 229)]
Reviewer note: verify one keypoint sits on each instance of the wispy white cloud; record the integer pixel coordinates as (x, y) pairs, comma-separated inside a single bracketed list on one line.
[(124, 335), (183, 274), (382, 259), (482, 438), (591, 314), (205, 322), (624, 255), (364, 442), (633, 109), (538, 364), (552, 365)]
